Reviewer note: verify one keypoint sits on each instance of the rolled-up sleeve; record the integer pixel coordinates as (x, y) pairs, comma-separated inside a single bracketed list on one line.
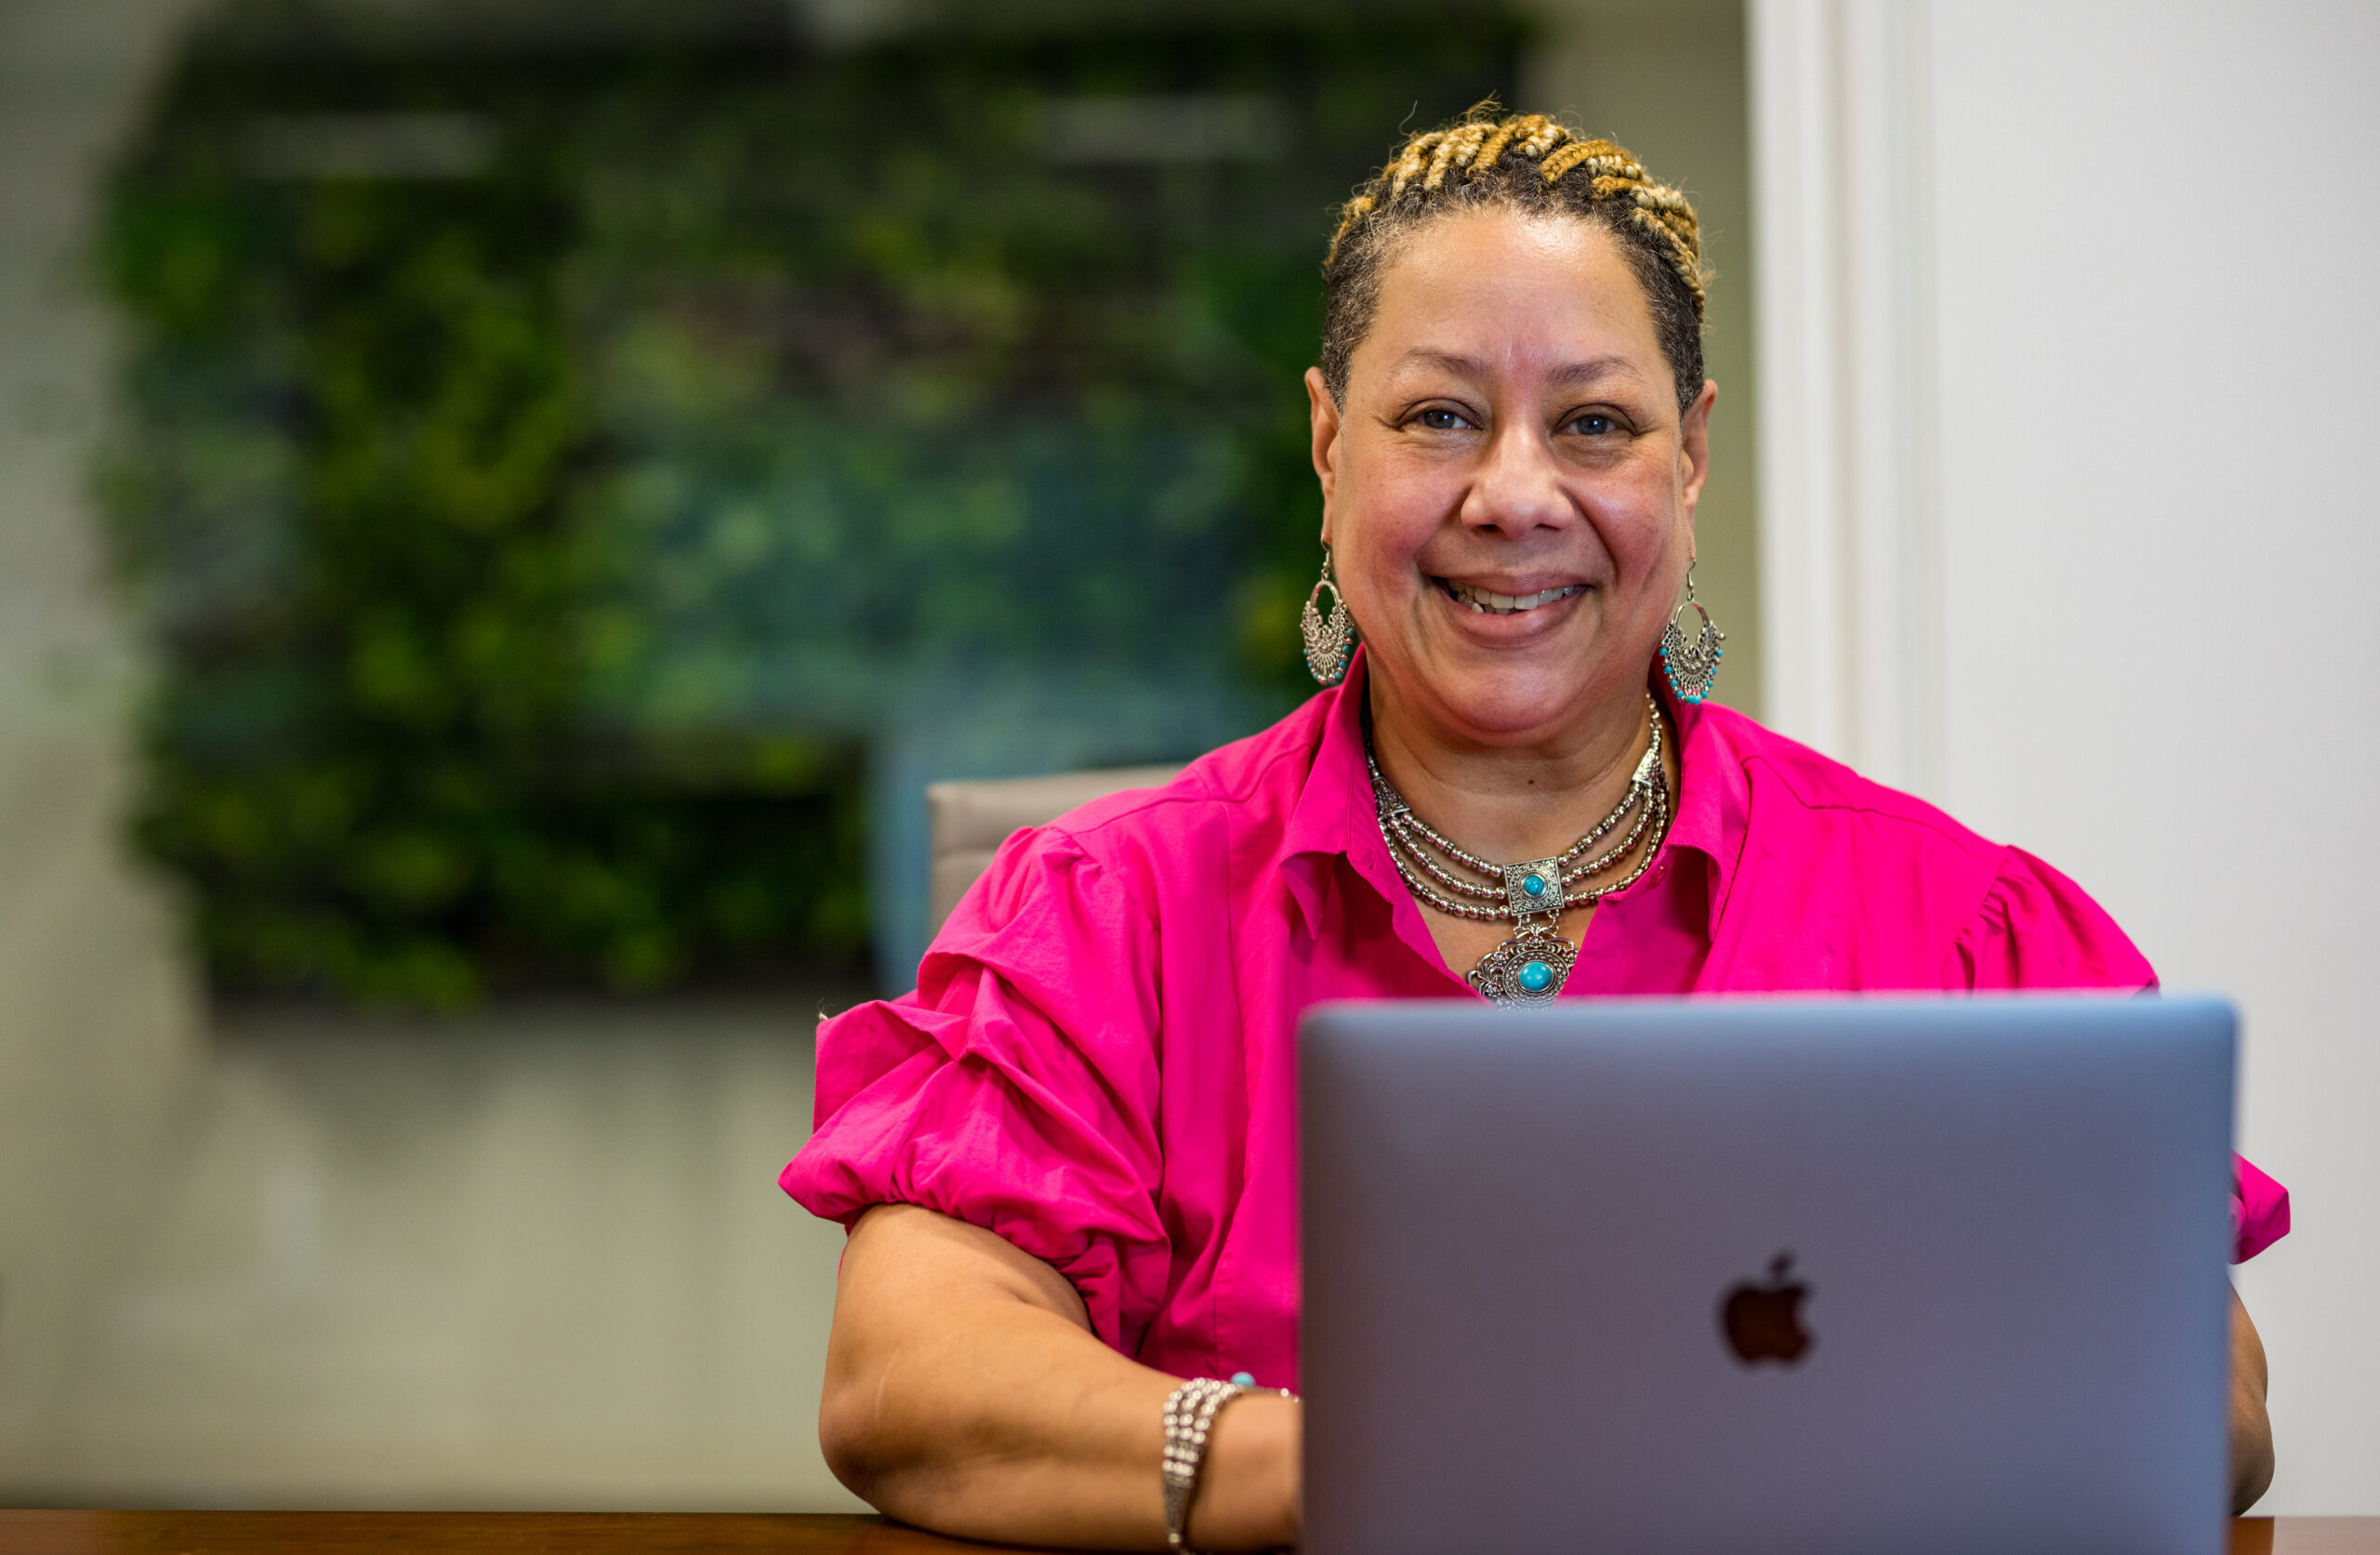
[(1016, 1088), (2039, 929), (2259, 1210)]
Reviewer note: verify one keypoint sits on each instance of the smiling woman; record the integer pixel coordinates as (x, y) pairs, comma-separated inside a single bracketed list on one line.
[(1068, 1158), (1509, 470)]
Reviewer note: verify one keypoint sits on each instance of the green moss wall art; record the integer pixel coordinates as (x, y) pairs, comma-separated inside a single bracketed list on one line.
[(582, 489)]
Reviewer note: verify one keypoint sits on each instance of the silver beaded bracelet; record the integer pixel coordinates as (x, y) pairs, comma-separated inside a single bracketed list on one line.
[(1190, 1412)]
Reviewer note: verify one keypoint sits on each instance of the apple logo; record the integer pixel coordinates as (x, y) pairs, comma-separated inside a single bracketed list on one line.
[(1764, 1321)]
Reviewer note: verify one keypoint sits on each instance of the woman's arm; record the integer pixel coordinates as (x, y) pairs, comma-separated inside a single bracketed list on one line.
[(966, 1393), (2251, 1430)]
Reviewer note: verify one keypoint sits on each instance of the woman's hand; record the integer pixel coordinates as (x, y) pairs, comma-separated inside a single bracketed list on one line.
[(2251, 1430), (966, 1393)]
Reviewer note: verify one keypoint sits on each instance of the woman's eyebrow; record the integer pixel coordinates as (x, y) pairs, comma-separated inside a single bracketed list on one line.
[(1595, 370), (1571, 375), (1447, 361)]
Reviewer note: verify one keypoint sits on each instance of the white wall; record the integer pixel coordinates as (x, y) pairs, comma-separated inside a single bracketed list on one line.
[(2126, 569)]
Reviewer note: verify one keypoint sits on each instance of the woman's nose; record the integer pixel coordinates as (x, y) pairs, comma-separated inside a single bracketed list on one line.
[(1517, 487)]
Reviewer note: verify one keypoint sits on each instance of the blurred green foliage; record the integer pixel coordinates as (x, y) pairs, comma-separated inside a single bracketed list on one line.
[(536, 547)]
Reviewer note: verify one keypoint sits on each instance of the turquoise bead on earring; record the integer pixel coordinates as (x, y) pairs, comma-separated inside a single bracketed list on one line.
[(1692, 669)]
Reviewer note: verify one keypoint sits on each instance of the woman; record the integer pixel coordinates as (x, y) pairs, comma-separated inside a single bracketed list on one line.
[(1067, 1160)]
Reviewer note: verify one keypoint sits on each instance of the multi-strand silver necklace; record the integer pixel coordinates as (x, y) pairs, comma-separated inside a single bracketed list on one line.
[(1531, 966)]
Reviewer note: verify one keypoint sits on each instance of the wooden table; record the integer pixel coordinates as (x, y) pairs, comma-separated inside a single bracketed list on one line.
[(158, 1533)]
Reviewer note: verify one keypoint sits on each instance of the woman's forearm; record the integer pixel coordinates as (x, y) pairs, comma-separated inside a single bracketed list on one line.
[(965, 1392), (2251, 1427)]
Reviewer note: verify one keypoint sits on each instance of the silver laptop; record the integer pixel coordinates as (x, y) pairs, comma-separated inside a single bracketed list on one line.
[(1864, 1277)]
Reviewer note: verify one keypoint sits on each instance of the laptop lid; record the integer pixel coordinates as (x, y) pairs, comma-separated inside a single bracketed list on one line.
[(1792, 1274)]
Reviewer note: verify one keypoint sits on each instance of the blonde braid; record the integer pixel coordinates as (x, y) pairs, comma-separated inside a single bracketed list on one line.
[(1555, 163), (1600, 158), (1662, 213), (1493, 147), (1545, 132), (1409, 166), (1456, 150)]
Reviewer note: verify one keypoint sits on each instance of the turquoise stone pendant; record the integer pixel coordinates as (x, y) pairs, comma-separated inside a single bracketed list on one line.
[(1531, 968), (1533, 888)]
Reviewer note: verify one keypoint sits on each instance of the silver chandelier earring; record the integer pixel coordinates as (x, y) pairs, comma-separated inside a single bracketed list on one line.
[(1329, 639), (1693, 669)]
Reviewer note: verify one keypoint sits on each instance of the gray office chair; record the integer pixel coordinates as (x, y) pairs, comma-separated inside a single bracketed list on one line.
[(971, 820)]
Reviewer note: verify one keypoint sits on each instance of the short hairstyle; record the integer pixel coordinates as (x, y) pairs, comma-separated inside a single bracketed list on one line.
[(1529, 163)]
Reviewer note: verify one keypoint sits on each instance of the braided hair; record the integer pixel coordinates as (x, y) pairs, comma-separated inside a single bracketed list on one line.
[(1532, 162)]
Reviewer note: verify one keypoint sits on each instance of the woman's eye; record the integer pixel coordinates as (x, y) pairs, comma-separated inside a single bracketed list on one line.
[(1440, 420), (1594, 424)]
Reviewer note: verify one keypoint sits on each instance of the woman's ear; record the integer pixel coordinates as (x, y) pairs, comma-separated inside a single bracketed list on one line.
[(1325, 412), (1694, 449)]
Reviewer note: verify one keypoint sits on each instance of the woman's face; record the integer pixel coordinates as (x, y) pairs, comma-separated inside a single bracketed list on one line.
[(1509, 489)]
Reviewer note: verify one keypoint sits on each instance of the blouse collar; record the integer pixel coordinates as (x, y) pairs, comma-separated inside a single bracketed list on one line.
[(1336, 816)]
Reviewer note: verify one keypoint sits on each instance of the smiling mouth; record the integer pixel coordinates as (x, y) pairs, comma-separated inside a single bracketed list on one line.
[(1488, 603)]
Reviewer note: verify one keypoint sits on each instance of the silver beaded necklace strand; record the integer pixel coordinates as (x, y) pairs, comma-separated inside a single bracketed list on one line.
[(1532, 965)]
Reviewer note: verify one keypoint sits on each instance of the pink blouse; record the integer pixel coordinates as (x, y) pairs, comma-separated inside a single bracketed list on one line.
[(1098, 1062)]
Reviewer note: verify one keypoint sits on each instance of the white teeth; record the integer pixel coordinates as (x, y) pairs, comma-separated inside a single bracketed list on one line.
[(1488, 602)]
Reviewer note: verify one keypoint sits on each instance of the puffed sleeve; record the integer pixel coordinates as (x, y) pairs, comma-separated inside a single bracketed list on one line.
[(2038, 930), (1016, 1088)]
